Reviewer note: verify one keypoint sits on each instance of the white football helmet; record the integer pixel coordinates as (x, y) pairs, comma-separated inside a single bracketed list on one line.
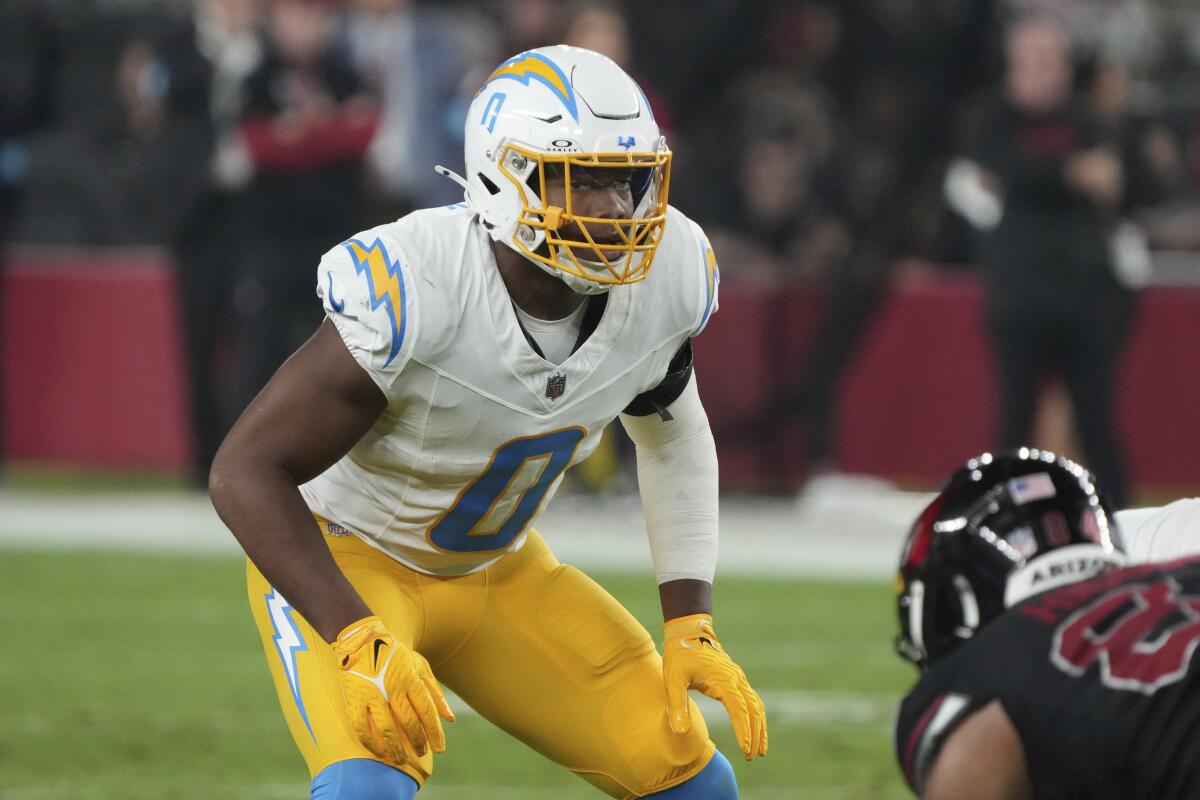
[(539, 117)]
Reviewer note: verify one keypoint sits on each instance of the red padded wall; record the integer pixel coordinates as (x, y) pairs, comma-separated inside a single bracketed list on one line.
[(93, 368)]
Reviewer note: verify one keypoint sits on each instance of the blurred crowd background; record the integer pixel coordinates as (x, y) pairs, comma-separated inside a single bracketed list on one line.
[(1051, 145)]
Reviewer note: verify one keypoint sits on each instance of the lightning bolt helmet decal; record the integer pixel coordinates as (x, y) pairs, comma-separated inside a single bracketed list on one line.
[(535, 66)]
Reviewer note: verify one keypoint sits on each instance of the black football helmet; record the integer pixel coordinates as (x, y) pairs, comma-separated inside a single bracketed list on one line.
[(984, 542)]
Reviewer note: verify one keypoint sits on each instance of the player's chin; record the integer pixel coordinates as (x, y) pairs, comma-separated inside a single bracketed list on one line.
[(595, 256)]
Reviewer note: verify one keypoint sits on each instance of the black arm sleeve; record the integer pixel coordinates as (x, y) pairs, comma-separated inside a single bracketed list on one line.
[(655, 401)]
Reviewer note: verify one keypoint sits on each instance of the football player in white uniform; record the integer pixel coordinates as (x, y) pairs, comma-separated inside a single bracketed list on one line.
[(386, 481)]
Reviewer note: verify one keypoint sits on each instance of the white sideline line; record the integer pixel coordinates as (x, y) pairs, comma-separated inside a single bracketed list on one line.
[(845, 532), (784, 707)]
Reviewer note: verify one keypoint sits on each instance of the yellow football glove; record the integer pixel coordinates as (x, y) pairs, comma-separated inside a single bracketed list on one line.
[(391, 695), (694, 659)]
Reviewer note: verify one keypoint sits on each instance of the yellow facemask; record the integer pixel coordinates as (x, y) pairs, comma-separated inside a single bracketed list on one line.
[(602, 250)]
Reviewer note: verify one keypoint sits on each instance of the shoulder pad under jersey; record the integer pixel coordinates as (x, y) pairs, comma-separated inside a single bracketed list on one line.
[(368, 290)]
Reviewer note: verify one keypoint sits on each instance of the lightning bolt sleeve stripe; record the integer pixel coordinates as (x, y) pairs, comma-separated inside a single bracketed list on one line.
[(385, 280), (711, 278)]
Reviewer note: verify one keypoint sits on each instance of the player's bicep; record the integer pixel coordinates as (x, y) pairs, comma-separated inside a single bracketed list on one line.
[(368, 291), (981, 760), (708, 278), (314, 409)]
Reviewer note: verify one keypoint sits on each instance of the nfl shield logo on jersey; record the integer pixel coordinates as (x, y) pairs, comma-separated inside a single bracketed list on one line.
[(555, 386)]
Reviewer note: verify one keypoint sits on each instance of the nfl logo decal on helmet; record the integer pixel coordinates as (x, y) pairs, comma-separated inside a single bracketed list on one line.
[(555, 386)]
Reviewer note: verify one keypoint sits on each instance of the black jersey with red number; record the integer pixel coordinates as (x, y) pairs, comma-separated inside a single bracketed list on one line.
[(1099, 679)]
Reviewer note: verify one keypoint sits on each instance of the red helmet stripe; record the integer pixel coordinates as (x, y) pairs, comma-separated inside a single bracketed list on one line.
[(922, 533)]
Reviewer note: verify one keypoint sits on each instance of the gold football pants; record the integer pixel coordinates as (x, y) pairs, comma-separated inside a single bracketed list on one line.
[(535, 646)]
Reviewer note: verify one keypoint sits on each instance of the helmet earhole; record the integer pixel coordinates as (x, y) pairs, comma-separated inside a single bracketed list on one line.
[(487, 184)]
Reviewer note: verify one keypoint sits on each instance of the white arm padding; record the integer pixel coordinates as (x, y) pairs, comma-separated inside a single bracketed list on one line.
[(677, 477)]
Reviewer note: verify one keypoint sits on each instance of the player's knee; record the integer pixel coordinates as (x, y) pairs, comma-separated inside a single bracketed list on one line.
[(714, 782), (362, 779)]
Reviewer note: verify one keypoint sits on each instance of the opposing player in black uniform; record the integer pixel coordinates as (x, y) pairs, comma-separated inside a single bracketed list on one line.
[(1085, 686)]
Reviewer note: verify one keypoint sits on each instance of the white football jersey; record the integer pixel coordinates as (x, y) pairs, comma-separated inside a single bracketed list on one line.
[(479, 428)]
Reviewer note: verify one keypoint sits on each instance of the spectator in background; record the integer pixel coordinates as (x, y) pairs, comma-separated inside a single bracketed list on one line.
[(600, 25), (1158, 191), (1053, 301), (207, 63), (897, 68), (81, 186), (412, 63), (527, 24), (307, 126), (1128, 30), (776, 223)]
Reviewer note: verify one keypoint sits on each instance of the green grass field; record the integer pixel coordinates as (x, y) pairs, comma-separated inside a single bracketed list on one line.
[(140, 676)]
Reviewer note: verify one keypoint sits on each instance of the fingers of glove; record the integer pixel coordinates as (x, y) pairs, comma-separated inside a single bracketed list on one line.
[(406, 718), (736, 706), (762, 747), (384, 734), (439, 699), (366, 733), (758, 720), (359, 698), (755, 715), (679, 715), (762, 723), (427, 714), (435, 690)]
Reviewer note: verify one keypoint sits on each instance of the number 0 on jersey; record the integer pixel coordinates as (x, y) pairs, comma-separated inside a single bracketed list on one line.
[(494, 509)]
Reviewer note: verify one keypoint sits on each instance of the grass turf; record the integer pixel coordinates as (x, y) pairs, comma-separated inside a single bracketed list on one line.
[(140, 676)]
